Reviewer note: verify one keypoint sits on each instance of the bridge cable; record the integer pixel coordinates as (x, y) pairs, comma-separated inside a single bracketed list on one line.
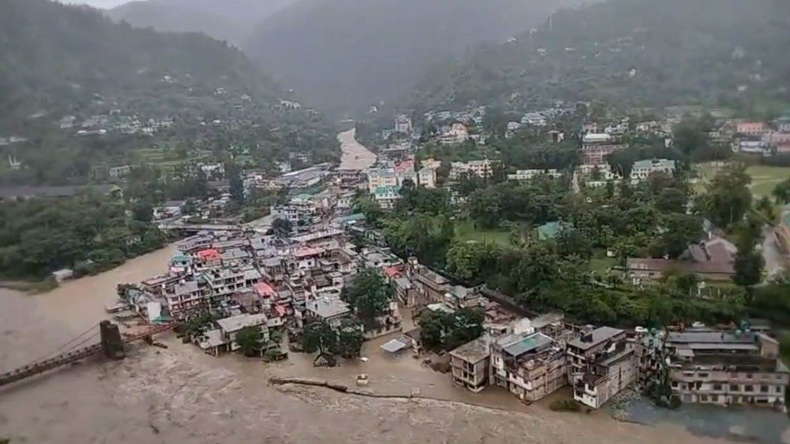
[(58, 349)]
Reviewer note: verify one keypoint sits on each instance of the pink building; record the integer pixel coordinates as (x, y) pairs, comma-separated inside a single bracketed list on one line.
[(751, 128)]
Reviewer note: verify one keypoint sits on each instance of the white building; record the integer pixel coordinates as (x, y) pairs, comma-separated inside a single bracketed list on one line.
[(475, 168), (387, 197), (523, 175), (230, 327), (381, 177), (403, 124), (644, 168), (455, 135), (427, 177)]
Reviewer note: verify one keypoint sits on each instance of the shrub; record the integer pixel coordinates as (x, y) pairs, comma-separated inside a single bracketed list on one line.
[(565, 405)]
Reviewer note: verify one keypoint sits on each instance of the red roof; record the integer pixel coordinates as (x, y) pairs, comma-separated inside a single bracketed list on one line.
[(280, 310), (264, 289), (393, 271), (209, 255)]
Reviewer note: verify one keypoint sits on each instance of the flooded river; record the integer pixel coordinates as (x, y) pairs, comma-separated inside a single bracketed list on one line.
[(355, 156), (182, 395)]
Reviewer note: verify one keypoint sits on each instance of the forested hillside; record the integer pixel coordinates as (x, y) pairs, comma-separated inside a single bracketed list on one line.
[(122, 88), (230, 20), (349, 54), (630, 52)]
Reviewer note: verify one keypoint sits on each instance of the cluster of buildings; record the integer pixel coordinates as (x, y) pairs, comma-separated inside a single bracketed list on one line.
[(754, 137), (114, 122), (534, 358)]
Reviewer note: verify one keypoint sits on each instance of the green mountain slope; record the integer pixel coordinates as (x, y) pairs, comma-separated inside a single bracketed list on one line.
[(230, 20), (349, 54), (58, 61), (630, 52)]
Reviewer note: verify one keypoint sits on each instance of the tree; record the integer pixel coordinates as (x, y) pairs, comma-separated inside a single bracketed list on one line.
[(574, 242), (318, 336), (690, 135), (485, 206), (350, 340), (782, 192), (142, 211), (282, 227), (447, 331), (233, 173), (727, 198), (680, 231), (250, 340), (369, 294), (748, 268), (671, 200)]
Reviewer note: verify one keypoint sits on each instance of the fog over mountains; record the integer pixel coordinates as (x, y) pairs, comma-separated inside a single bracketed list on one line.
[(344, 55)]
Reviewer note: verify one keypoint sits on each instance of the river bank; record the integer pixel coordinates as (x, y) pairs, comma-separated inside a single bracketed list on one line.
[(181, 394)]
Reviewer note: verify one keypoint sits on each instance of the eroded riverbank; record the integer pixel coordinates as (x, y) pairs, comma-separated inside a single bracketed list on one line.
[(182, 395)]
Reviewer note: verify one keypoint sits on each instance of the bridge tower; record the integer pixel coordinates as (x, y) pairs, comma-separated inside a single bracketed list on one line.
[(111, 341)]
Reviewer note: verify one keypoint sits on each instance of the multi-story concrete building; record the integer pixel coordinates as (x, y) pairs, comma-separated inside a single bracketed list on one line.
[(403, 124), (596, 147), (471, 364), (727, 367), (381, 177), (644, 168), (523, 175), (530, 365), (427, 177), (601, 363), (751, 128), (475, 168), (387, 197)]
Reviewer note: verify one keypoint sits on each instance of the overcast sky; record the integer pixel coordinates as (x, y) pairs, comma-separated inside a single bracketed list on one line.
[(99, 3)]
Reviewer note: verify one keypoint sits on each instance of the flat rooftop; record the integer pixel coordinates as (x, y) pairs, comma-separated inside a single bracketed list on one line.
[(474, 351), (599, 336)]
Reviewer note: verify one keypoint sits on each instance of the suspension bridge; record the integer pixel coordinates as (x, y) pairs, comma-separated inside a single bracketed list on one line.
[(110, 342)]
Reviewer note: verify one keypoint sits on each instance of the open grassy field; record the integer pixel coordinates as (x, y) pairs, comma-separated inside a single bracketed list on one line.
[(764, 178), (466, 231)]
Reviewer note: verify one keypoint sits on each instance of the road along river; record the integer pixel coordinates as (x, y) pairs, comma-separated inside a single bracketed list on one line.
[(181, 395)]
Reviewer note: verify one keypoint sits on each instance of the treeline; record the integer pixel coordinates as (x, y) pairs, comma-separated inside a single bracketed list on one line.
[(88, 233)]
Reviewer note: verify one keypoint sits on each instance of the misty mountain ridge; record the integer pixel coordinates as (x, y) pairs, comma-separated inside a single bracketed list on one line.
[(230, 20), (349, 54), (636, 53)]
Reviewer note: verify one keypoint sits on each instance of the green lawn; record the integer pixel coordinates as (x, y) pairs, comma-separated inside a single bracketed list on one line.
[(764, 178), (602, 265), (466, 231)]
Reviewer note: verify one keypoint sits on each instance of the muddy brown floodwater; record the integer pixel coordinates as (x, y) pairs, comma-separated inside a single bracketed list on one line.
[(355, 155), (182, 395)]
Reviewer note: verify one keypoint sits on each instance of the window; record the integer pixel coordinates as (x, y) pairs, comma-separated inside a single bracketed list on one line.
[(763, 389), (734, 387), (703, 375), (716, 386), (778, 389), (749, 388), (714, 398), (674, 384), (704, 398), (749, 376)]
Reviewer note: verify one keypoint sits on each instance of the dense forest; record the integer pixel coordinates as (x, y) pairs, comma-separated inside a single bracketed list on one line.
[(629, 53), (350, 54), (89, 233)]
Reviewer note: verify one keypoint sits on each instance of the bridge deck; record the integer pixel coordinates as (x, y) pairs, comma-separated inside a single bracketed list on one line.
[(70, 357)]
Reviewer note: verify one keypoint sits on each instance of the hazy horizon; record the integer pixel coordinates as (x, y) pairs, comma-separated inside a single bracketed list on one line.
[(98, 3)]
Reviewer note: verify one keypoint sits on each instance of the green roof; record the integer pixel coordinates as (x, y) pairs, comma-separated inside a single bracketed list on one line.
[(549, 231)]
